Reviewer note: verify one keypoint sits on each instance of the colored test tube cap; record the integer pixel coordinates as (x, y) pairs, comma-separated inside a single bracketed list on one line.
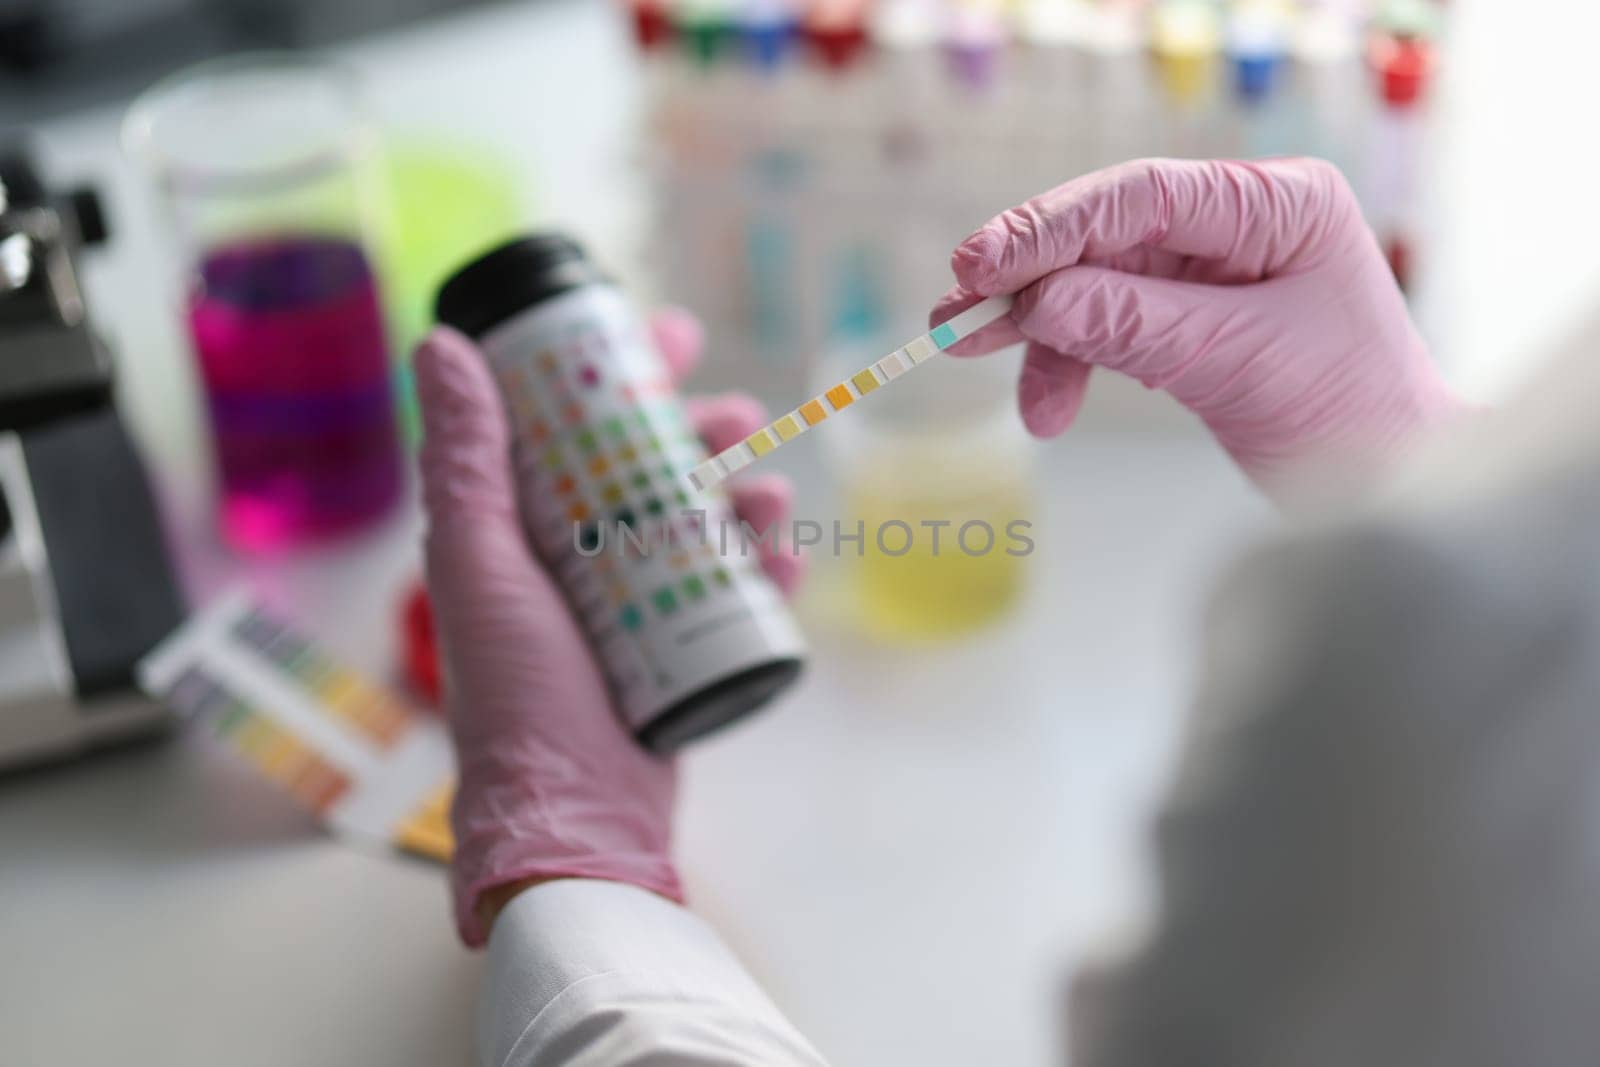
[(652, 26), (1404, 66), (838, 42), (1255, 76), (768, 40)]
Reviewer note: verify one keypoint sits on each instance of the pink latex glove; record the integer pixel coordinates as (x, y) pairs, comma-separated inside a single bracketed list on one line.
[(1254, 293), (551, 783)]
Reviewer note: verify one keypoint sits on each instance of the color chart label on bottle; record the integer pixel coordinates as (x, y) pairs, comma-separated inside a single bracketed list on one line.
[(601, 450)]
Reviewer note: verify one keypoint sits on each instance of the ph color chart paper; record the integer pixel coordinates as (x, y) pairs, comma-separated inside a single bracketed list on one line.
[(835, 399), (348, 750)]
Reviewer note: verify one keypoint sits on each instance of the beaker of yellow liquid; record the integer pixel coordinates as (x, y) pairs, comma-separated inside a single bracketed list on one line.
[(936, 473)]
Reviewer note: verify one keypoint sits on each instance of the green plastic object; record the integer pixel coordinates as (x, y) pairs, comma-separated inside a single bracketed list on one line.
[(1409, 18), (447, 203)]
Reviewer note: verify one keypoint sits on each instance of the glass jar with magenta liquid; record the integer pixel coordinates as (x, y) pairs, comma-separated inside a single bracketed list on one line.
[(267, 170)]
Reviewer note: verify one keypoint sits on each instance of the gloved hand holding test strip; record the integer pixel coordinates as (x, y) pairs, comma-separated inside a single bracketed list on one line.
[(719, 467)]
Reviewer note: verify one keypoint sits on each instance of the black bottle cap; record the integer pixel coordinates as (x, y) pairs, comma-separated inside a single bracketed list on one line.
[(510, 279), (718, 705)]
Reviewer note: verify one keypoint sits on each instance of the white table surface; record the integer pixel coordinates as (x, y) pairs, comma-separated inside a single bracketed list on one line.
[(910, 852)]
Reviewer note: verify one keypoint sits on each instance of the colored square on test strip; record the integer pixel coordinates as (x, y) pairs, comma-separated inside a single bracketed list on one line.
[(736, 458), (787, 427), (813, 412), (919, 350), (943, 335), (232, 717), (761, 442), (893, 365), (253, 734), (192, 692), (839, 396), (865, 381), (275, 755), (712, 471)]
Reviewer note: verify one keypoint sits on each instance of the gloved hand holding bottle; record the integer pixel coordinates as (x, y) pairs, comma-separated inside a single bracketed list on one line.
[(1254, 293), (552, 785)]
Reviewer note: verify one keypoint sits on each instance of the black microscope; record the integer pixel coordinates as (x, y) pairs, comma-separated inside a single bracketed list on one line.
[(86, 585)]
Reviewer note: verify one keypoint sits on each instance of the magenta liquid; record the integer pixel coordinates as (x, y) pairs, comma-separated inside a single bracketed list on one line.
[(289, 335)]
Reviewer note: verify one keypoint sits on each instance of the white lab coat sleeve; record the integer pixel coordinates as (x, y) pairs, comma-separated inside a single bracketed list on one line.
[(585, 973)]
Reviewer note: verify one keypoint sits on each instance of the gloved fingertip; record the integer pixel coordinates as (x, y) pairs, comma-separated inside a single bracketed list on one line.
[(735, 405), (786, 570), (1047, 406), (436, 350), (454, 385), (763, 499), (1044, 424), (761, 504), (976, 260), (679, 337), (724, 420), (464, 457), (951, 304)]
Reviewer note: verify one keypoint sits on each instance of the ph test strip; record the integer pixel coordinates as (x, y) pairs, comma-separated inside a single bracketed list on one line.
[(353, 753), (835, 399)]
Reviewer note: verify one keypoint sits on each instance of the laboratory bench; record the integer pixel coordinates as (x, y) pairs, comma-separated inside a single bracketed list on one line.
[(910, 851)]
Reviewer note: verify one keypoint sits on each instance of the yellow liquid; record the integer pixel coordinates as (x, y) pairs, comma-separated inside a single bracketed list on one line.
[(922, 596)]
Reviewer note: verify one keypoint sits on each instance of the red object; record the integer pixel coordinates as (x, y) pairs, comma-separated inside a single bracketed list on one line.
[(1404, 66), (838, 42), (651, 25), (419, 650), (1397, 250)]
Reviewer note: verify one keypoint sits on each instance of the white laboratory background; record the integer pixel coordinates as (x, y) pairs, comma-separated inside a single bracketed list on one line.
[(912, 851)]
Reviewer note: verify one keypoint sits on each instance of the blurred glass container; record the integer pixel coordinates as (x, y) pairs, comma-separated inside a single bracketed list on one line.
[(266, 166), (937, 468)]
